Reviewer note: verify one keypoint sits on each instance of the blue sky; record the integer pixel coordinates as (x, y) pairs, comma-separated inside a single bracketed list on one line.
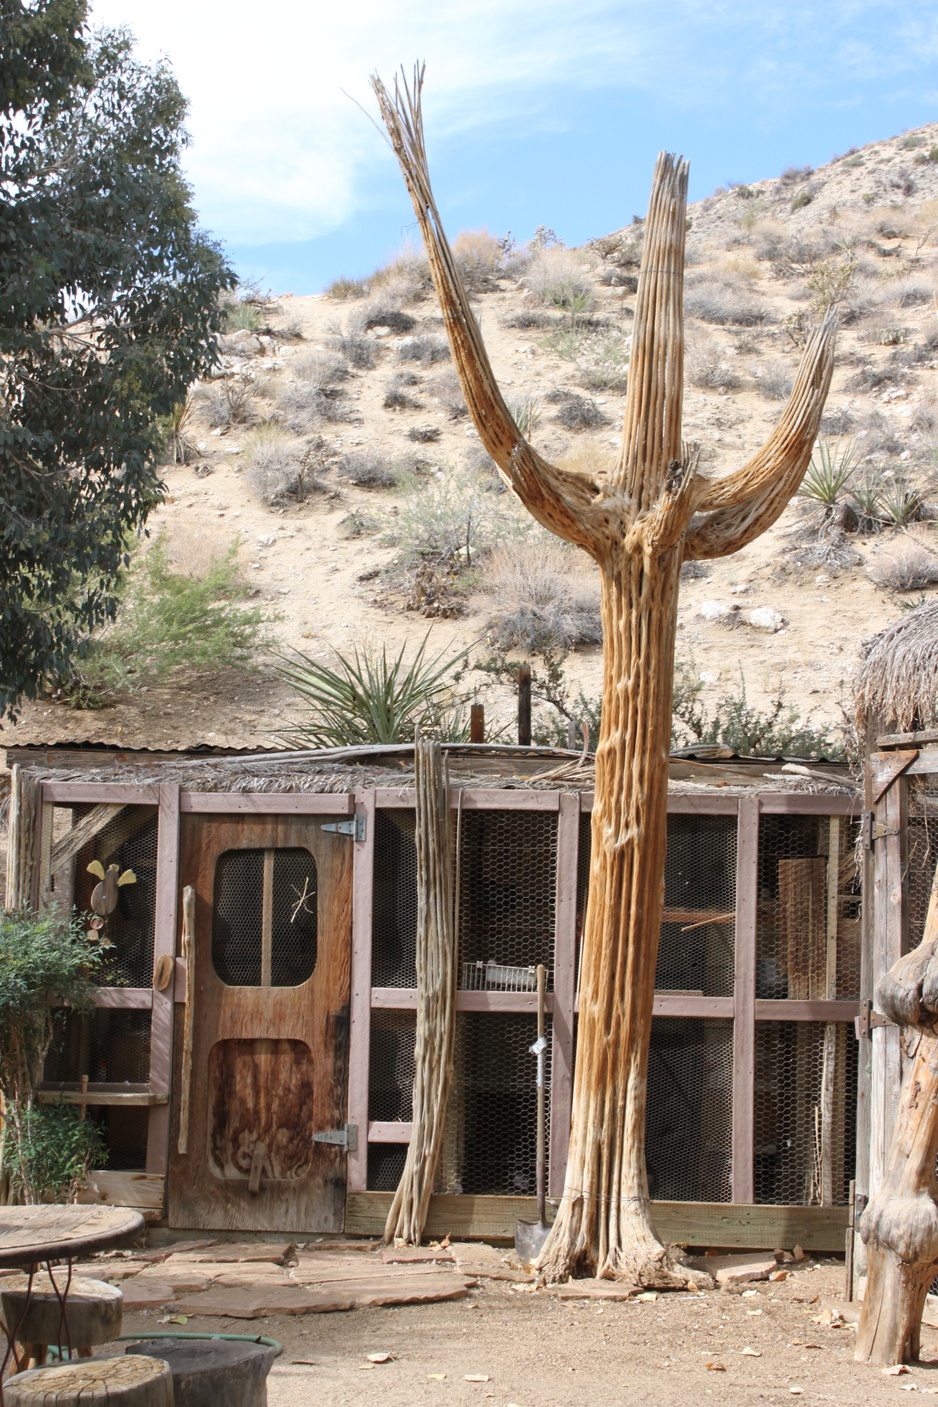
[(538, 112)]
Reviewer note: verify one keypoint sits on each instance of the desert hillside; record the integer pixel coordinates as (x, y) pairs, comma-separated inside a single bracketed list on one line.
[(334, 449)]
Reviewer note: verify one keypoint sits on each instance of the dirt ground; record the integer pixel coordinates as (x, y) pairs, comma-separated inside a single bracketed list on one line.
[(514, 1345)]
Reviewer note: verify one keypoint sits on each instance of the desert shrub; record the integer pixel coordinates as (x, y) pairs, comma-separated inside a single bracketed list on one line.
[(241, 313), (281, 469), (342, 289), (793, 174), (705, 367), (168, 619), (579, 413), (428, 347), (447, 390), (829, 475), (233, 402), (558, 278), (910, 292), (560, 714), (909, 568), (529, 319), (424, 434), (178, 447), (801, 199), (838, 420), (350, 343), (775, 381), (367, 469), (314, 393), (358, 523), (900, 501), (866, 496), (371, 697), (830, 282), (777, 730), (478, 257), (880, 438), (392, 318), (539, 598), (397, 394), (406, 277), (871, 377), (722, 301), (612, 277), (602, 361)]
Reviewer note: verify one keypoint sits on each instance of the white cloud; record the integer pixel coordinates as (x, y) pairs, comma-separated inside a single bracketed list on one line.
[(279, 153)]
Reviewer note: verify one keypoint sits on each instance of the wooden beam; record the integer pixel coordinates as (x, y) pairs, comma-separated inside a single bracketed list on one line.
[(95, 793), (474, 799), (267, 803), (770, 1009), (124, 998), (744, 997), (107, 1099), (164, 942), (701, 1224), (363, 873), (805, 804), (142, 1191), (389, 1131), (82, 832), (23, 848), (405, 999), (564, 994)]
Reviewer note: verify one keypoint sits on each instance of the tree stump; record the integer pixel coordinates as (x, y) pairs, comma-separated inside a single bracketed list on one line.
[(93, 1314), (95, 1382), (900, 1225), (212, 1372)]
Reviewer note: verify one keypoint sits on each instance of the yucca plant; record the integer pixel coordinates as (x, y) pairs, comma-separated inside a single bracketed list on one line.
[(371, 697), (178, 447), (829, 473), (526, 414), (901, 503), (868, 500)]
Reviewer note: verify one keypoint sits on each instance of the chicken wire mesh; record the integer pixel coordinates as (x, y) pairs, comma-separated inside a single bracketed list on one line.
[(129, 841), (696, 946), (802, 905), (264, 917), (489, 1144), (506, 901), (922, 852), (689, 1119), (804, 1112)]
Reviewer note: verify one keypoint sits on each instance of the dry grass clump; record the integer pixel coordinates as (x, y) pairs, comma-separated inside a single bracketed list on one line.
[(839, 420), (723, 301), (367, 469), (233, 402), (281, 469), (577, 412), (478, 256), (540, 597), (342, 289), (775, 381), (447, 391), (314, 394), (910, 291), (428, 347), (384, 314), (559, 278), (529, 319), (405, 278), (907, 568), (397, 395), (706, 366)]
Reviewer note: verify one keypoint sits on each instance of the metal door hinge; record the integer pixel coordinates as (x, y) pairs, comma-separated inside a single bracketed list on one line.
[(867, 1020), (346, 1137), (874, 830), (356, 827)]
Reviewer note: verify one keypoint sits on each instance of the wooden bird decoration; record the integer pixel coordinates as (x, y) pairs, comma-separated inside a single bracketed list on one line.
[(104, 895)]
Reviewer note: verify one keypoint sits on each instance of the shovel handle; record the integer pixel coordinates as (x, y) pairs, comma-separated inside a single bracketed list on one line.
[(541, 1144)]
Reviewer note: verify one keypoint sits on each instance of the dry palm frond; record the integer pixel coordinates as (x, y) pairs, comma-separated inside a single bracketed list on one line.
[(896, 686)]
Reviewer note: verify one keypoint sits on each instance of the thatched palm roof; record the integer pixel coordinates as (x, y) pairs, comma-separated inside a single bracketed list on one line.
[(896, 686)]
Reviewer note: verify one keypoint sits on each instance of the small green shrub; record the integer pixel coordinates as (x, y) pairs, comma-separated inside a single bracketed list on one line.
[(803, 198), (242, 315), (41, 955), (58, 1148), (178, 447), (526, 415), (166, 620), (778, 730), (370, 697), (829, 474), (368, 469)]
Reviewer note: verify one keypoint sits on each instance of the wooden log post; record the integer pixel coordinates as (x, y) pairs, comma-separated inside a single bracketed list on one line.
[(900, 1224), (22, 858), (94, 1382), (639, 522), (436, 996)]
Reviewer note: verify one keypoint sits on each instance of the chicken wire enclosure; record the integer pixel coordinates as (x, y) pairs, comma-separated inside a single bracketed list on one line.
[(129, 841), (489, 1146), (508, 867), (391, 1066), (110, 1047), (394, 907), (809, 936), (804, 1112), (689, 1117), (922, 852)]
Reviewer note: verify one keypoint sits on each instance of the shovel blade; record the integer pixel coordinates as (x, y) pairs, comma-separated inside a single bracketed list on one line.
[(529, 1240)]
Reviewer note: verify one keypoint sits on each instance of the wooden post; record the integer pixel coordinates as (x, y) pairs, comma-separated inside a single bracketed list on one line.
[(744, 997), (561, 1045), (363, 874), (22, 854), (477, 723), (164, 942), (524, 705)]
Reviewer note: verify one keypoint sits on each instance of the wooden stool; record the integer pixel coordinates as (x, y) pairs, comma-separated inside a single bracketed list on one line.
[(94, 1382), (212, 1372), (93, 1314)]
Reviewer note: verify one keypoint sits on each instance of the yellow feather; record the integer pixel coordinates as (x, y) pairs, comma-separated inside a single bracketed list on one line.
[(128, 877), (96, 868)]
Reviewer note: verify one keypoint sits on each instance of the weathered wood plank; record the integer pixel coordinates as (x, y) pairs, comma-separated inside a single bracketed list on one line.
[(95, 793), (103, 1099), (144, 1191), (690, 1223), (771, 1009), (360, 1000), (267, 803), (25, 803), (564, 994), (124, 998), (82, 832), (744, 998), (164, 943)]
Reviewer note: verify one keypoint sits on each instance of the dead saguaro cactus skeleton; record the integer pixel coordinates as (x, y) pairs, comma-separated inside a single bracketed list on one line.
[(651, 513), (900, 1225)]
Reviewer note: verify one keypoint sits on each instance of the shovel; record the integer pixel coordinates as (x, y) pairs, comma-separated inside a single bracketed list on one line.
[(531, 1235)]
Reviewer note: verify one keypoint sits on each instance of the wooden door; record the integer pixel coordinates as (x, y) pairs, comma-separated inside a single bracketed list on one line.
[(272, 957)]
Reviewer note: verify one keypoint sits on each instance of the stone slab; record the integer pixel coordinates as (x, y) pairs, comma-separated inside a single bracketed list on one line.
[(415, 1255), (153, 1295), (114, 1271), (259, 1303), (182, 1278), (276, 1252), (490, 1262), (736, 1270)]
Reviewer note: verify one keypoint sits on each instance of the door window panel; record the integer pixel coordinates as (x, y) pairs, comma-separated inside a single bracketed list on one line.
[(264, 918)]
